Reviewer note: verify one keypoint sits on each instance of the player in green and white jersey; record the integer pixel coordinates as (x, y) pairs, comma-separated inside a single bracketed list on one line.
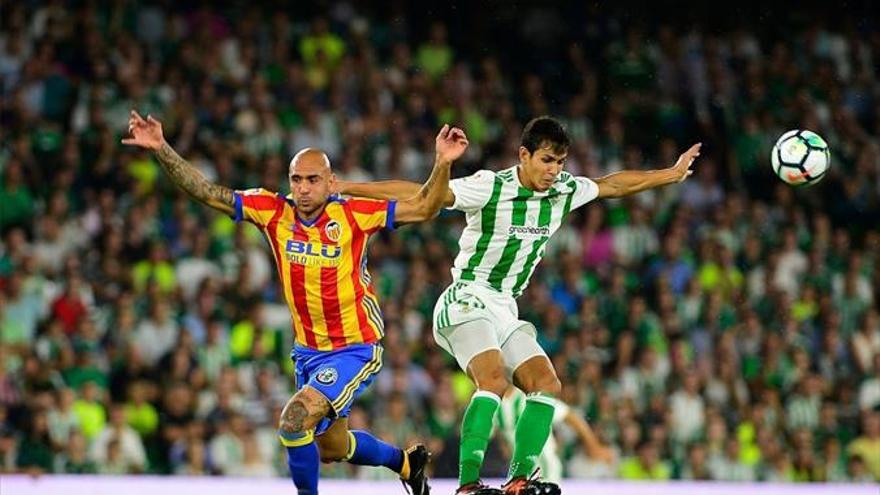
[(511, 214)]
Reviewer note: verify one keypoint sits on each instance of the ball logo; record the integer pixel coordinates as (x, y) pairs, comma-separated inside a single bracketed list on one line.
[(327, 376), (796, 176), (333, 230)]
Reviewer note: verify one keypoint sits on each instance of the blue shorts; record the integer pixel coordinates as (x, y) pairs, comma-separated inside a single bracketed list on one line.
[(340, 376)]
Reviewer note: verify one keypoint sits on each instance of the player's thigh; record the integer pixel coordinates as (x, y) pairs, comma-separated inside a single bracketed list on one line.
[(343, 375), (303, 411), (333, 443), (466, 340), (474, 344), (528, 363)]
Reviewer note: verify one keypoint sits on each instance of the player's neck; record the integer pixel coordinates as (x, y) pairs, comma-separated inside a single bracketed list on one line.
[(311, 217), (524, 179)]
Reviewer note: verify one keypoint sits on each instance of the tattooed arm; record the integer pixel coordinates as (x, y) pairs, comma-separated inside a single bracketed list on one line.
[(450, 145), (191, 180), (147, 133)]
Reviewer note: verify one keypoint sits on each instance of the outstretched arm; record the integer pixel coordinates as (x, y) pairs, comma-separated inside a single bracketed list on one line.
[(629, 182), (592, 446), (147, 134), (383, 189), (387, 189), (426, 202)]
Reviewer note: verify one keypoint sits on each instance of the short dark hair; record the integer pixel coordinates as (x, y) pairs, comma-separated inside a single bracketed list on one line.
[(545, 130)]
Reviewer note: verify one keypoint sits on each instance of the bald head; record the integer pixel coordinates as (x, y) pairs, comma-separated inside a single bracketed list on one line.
[(309, 157), (311, 180)]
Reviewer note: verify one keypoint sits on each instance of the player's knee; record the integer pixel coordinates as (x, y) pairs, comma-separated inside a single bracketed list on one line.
[(289, 428), (546, 383), (294, 419), (492, 381), (550, 385)]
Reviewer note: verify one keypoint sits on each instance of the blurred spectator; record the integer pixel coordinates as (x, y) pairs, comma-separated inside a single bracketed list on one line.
[(35, 451), (115, 462), (435, 56), (89, 410), (130, 447), (252, 463), (75, 457), (687, 409), (867, 445), (156, 334), (8, 449), (697, 467), (727, 466), (63, 420), (17, 200), (646, 465), (196, 463)]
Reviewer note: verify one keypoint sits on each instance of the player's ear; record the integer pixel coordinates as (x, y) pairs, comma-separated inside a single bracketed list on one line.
[(333, 184), (524, 154)]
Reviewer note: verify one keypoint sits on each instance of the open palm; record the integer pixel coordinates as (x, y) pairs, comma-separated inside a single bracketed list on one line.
[(146, 133), (451, 143), (682, 167)]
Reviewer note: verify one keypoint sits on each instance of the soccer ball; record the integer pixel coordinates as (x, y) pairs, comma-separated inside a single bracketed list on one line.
[(800, 157)]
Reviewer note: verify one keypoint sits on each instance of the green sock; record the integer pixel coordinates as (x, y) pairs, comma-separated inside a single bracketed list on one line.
[(476, 429), (532, 432)]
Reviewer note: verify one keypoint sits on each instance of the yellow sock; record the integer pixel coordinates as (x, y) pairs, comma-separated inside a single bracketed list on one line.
[(404, 469)]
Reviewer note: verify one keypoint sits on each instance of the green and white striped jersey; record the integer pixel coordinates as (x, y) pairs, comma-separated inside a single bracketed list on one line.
[(508, 225)]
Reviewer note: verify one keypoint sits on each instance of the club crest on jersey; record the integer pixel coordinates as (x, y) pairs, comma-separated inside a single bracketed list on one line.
[(327, 376), (333, 230), (469, 302)]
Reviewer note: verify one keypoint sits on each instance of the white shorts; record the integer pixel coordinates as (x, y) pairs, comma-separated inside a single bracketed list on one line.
[(470, 319)]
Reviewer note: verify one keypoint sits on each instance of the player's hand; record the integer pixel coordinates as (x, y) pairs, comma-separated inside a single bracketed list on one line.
[(146, 133), (451, 143), (603, 454), (682, 167)]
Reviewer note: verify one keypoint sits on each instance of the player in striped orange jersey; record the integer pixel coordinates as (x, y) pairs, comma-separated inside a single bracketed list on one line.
[(321, 264), (319, 243)]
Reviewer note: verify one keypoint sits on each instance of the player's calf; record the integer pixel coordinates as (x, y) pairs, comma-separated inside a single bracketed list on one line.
[(332, 452)]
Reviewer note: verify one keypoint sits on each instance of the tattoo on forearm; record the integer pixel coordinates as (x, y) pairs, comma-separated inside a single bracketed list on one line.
[(436, 173), (190, 179)]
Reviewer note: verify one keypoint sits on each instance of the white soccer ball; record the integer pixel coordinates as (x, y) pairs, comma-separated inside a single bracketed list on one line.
[(800, 157)]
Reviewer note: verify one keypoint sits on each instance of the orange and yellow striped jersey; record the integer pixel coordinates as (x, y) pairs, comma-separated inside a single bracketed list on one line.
[(322, 264)]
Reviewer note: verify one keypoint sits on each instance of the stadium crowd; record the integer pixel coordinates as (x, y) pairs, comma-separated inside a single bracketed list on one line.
[(725, 329)]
